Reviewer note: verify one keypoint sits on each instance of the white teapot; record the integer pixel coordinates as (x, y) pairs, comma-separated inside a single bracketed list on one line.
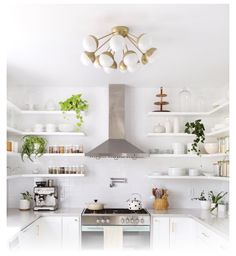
[(134, 202)]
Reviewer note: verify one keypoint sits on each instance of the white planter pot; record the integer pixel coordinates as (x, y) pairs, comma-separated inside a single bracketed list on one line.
[(215, 210), (205, 205), (24, 204), (221, 208)]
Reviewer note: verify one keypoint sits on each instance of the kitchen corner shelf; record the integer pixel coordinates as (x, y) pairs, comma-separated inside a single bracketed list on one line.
[(218, 110), (14, 131), (44, 175), (166, 177), (221, 132)]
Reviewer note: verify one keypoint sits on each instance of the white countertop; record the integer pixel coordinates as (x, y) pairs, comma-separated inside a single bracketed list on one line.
[(18, 220)]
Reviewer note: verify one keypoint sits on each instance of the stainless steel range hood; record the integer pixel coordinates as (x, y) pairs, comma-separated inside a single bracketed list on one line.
[(116, 146)]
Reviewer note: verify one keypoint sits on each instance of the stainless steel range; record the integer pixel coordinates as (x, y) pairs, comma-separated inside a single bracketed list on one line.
[(124, 228)]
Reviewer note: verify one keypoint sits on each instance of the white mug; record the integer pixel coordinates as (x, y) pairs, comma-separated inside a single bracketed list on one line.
[(50, 127), (178, 148), (193, 172), (38, 127)]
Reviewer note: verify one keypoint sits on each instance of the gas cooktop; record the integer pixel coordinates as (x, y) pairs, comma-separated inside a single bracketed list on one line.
[(114, 211)]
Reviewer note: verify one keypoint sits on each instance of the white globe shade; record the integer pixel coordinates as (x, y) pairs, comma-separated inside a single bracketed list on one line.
[(85, 59), (130, 58), (109, 70), (117, 43), (106, 59), (145, 42), (90, 43), (133, 67)]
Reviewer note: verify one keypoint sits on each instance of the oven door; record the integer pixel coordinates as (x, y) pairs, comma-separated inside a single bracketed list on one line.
[(133, 237)]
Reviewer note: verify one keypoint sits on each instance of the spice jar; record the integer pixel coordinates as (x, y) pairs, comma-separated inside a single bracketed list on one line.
[(77, 149), (50, 149), (61, 149), (55, 149), (50, 170)]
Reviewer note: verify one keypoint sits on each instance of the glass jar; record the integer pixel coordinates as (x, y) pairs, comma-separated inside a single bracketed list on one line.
[(55, 149), (185, 101), (50, 170), (77, 149), (61, 149), (50, 149)]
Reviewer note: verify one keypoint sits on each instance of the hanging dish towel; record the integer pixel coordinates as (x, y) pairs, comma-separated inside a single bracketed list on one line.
[(113, 237)]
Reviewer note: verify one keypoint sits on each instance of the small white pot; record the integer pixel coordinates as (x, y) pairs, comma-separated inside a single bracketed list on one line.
[(205, 205), (178, 148), (221, 208), (213, 205), (24, 204)]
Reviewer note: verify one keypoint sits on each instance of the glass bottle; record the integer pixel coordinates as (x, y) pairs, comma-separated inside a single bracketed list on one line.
[(185, 100)]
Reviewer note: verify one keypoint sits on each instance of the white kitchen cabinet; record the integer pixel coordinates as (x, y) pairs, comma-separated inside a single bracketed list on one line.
[(29, 237), (160, 233), (207, 239), (182, 233), (71, 233), (50, 232)]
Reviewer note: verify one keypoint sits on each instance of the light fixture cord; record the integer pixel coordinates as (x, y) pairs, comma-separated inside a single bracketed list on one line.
[(134, 43)]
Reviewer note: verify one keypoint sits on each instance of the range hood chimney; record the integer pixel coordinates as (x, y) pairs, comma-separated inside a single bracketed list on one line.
[(116, 146)]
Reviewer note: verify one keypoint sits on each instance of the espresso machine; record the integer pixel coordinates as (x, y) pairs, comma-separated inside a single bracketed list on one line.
[(45, 196)]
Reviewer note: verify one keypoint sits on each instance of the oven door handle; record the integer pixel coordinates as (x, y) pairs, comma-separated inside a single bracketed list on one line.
[(92, 228), (136, 228)]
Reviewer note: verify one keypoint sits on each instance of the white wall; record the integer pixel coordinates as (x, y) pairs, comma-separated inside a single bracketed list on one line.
[(75, 192)]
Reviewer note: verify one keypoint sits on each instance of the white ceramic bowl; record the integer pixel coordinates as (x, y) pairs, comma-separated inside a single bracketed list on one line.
[(175, 171), (66, 127), (193, 172), (211, 148)]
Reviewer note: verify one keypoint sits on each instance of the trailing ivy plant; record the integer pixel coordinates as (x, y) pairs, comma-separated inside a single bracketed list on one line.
[(77, 104), (33, 145), (197, 128)]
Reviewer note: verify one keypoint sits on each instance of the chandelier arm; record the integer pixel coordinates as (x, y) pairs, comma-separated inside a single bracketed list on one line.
[(106, 36), (103, 44), (135, 38), (134, 44)]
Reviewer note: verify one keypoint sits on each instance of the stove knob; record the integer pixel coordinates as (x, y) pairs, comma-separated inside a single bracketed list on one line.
[(142, 220), (98, 221), (107, 221), (127, 220), (132, 220), (137, 221), (122, 220), (102, 220)]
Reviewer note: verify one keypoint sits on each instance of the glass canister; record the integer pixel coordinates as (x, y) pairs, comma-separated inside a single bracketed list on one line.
[(185, 103)]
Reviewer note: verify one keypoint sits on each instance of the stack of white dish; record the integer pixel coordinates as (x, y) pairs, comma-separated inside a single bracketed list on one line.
[(211, 148), (50, 128), (176, 171), (38, 128)]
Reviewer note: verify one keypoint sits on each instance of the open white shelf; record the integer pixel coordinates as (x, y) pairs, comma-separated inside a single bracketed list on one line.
[(14, 131), (220, 109), (55, 133), (44, 175), (221, 132), (50, 155), (188, 155), (46, 112), (166, 177)]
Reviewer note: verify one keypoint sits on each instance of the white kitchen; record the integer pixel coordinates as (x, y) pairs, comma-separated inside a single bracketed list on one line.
[(118, 131)]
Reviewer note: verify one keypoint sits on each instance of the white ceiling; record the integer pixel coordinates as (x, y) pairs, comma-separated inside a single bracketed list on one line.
[(45, 43)]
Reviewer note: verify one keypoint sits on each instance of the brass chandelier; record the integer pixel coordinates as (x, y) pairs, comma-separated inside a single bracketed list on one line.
[(118, 50)]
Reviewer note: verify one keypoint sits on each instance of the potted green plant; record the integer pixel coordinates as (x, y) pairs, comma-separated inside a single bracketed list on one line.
[(197, 128), (205, 202), (215, 199), (25, 201), (77, 104), (33, 145)]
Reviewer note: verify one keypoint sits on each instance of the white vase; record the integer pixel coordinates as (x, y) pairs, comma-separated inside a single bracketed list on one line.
[(205, 205), (168, 126), (24, 204), (213, 206), (176, 125)]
